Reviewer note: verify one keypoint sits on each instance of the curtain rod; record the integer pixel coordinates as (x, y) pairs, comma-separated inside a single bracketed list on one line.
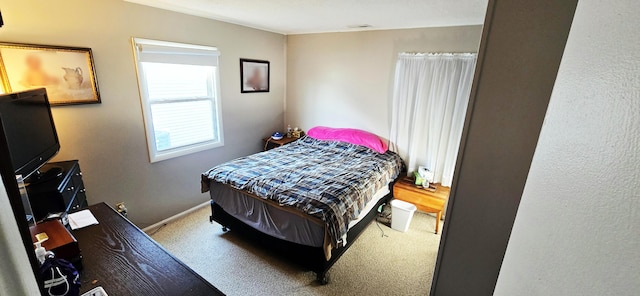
[(421, 54)]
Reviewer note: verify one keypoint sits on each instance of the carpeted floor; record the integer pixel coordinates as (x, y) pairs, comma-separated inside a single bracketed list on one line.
[(398, 264)]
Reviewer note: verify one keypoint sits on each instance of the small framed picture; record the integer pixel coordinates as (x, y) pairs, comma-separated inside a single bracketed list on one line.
[(254, 76), (67, 73)]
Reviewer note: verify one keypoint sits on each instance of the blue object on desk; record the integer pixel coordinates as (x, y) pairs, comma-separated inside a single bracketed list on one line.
[(277, 136)]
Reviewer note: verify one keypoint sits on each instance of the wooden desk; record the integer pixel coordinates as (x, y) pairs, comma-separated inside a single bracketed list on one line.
[(125, 261), (425, 200)]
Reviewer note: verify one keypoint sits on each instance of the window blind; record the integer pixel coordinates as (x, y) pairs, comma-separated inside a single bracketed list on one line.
[(179, 91)]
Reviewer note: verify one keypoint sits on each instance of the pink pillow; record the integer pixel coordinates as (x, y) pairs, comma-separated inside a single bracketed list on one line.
[(349, 135)]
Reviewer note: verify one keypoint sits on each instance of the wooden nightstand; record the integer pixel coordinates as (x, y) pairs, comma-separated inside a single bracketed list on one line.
[(270, 143), (425, 200)]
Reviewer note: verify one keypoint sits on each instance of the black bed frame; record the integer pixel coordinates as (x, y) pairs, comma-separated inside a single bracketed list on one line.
[(312, 258)]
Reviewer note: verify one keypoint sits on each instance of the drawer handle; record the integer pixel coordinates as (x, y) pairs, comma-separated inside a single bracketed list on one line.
[(70, 188), (83, 190), (79, 174)]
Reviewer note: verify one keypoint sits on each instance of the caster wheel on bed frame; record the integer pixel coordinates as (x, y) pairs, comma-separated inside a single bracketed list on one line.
[(225, 229), (323, 279)]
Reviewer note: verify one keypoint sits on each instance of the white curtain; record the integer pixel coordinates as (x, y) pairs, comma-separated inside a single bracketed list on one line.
[(430, 98)]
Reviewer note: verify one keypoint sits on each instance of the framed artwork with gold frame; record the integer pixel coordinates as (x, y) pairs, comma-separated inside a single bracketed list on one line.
[(67, 73)]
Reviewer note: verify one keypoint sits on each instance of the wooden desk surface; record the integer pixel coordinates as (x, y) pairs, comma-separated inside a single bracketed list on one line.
[(441, 193), (125, 261)]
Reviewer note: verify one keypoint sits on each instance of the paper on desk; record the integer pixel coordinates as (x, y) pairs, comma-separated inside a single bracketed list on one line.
[(81, 219)]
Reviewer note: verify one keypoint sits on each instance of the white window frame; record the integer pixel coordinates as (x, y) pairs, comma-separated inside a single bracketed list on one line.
[(187, 50)]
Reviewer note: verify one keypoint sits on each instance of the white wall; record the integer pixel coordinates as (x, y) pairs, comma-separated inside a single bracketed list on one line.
[(109, 138), (577, 231), (346, 79)]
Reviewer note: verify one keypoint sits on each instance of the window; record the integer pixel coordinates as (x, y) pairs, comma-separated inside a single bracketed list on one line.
[(179, 91)]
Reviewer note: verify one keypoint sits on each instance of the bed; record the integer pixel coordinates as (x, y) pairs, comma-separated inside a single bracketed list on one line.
[(308, 200)]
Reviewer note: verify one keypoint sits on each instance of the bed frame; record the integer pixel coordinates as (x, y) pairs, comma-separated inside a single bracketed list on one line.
[(312, 258)]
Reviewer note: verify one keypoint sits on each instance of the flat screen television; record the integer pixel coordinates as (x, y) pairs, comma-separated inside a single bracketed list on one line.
[(27, 127)]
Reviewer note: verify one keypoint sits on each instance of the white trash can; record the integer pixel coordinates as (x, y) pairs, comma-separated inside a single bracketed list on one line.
[(401, 214)]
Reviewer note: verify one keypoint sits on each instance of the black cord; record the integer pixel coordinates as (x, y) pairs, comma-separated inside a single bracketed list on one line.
[(381, 230), (157, 229)]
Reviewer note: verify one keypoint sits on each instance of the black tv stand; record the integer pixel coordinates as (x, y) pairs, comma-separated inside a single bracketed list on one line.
[(51, 172), (59, 189)]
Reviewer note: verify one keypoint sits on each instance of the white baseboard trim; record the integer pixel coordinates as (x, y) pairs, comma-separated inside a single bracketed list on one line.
[(176, 216)]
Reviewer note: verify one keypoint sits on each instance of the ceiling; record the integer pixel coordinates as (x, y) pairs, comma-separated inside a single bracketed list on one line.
[(317, 16)]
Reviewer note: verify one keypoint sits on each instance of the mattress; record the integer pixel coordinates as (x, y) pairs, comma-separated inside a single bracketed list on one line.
[(326, 182), (278, 221)]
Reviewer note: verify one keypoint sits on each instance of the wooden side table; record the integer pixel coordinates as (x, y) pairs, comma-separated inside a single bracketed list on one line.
[(270, 143), (425, 200)]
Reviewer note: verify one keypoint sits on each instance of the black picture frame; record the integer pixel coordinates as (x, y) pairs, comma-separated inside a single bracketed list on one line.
[(257, 78)]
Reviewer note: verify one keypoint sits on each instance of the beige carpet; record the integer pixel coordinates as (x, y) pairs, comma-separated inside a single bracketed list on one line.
[(398, 264)]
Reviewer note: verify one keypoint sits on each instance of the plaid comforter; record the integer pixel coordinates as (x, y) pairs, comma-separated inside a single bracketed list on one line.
[(330, 180)]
